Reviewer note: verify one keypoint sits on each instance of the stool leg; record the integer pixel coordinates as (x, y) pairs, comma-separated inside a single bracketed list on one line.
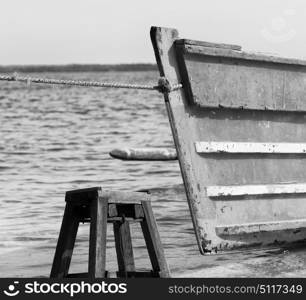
[(65, 244), (124, 249), (153, 242), (97, 239)]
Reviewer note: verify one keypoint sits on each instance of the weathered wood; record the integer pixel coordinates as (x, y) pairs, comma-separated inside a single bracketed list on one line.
[(153, 241), (240, 229), (65, 243), (242, 190), (124, 197), (97, 239), (195, 47), (138, 211), (230, 95), (124, 250), (232, 79), (207, 44), (249, 147), (112, 210), (149, 154), (97, 207), (82, 196), (163, 40)]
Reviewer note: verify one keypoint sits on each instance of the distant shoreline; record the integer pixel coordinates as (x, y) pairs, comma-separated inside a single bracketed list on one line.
[(79, 68)]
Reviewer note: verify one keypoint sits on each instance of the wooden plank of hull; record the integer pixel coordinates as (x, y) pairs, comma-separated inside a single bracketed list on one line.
[(242, 147), (240, 229), (195, 47), (217, 77), (208, 44), (243, 190)]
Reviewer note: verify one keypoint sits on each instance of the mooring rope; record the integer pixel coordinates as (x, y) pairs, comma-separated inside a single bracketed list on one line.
[(163, 86)]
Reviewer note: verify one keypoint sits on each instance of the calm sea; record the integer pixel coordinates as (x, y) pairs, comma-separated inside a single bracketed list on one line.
[(54, 139)]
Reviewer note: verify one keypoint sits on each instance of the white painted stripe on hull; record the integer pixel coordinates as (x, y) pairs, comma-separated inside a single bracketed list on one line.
[(238, 229), (242, 147), (243, 190)]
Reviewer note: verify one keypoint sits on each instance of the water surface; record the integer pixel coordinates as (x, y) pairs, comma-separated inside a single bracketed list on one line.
[(54, 139)]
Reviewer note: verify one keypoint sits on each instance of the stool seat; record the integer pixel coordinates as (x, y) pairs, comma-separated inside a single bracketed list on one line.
[(99, 207), (83, 195)]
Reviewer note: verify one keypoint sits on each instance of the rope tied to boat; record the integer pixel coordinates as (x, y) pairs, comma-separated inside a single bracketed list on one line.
[(163, 86)]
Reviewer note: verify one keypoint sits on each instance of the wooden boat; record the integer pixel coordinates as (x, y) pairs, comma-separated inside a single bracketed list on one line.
[(239, 128)]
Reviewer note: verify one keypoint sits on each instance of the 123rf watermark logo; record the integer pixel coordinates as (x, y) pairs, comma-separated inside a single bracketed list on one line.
[(278, 30), (71, 288), (12, 290)]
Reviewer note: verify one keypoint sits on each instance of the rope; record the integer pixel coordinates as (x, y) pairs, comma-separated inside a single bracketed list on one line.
[(163, 84)]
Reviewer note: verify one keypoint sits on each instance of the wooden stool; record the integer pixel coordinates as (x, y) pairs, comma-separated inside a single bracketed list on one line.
[(99, 208)]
